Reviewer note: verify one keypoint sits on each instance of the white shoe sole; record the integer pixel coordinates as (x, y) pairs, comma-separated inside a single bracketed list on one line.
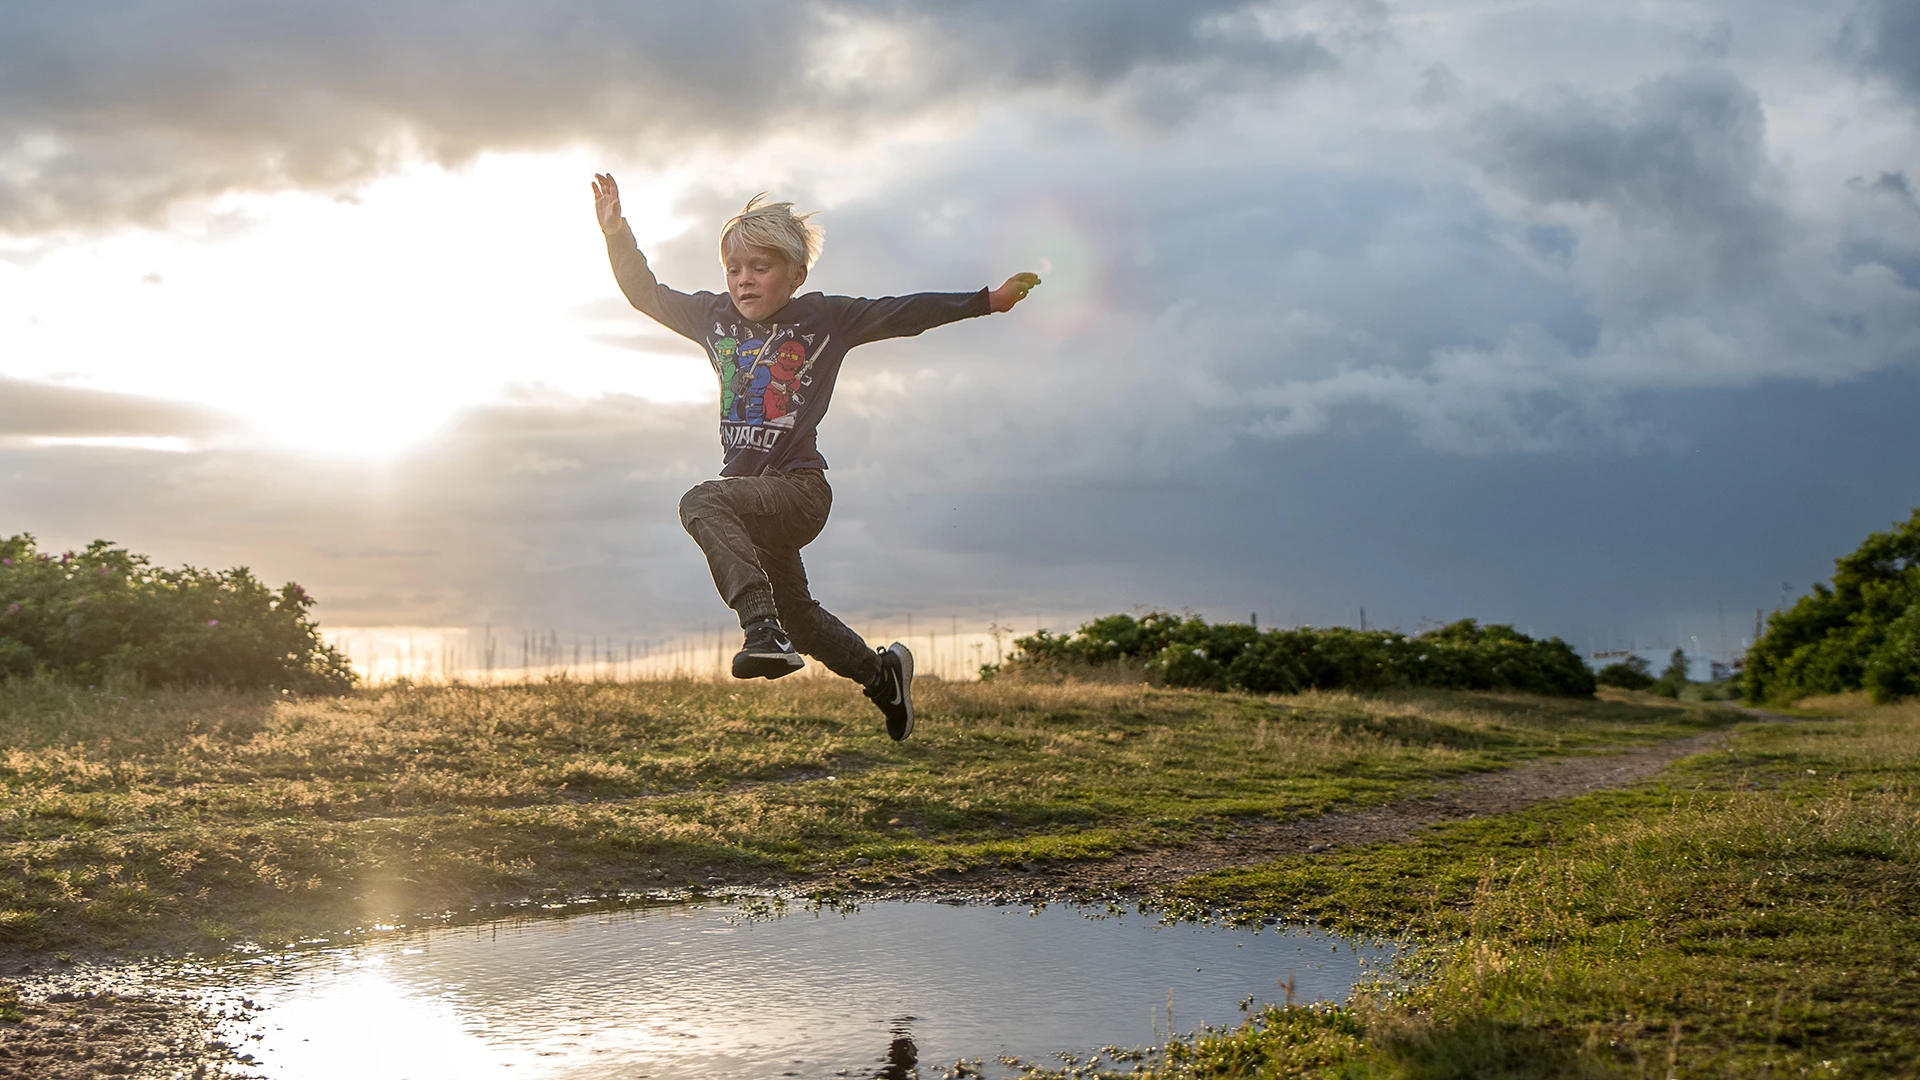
[(748, 665)]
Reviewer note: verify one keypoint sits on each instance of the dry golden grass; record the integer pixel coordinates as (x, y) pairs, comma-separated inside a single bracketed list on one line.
[(130, 816)]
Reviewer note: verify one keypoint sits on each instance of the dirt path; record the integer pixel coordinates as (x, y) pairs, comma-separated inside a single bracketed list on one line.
[(1485, 794)]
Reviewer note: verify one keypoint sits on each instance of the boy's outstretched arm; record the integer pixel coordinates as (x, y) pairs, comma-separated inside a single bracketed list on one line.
[(905, 316), (606, 203), (674, 310), (1010, 292)]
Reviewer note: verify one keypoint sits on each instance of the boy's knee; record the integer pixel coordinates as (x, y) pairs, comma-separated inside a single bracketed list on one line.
[(698, 502)]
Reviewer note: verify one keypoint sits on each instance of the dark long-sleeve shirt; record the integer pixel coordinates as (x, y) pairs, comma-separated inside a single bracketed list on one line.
[(776, 377)]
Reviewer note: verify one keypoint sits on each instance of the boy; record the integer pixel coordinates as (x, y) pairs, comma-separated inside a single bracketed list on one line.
[(777, 356)]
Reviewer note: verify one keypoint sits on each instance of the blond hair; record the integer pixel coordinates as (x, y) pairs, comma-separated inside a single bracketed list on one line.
[(774, 225)]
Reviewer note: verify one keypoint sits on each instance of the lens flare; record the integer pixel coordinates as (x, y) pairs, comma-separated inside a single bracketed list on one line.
[(1068, 253)]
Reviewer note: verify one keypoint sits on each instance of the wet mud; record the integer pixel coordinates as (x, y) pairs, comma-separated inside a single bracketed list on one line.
[(77, 1035)]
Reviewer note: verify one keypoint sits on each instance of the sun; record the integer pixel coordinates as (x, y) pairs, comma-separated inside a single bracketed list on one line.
[(352, 325)]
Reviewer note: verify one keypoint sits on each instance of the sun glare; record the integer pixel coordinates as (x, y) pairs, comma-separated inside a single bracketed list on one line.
[(164, 443), (355, 324), (1054, 242), (397, 1031)]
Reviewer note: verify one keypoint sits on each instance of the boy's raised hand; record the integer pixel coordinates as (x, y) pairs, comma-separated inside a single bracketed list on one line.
[(1011, 291), (606, 202)]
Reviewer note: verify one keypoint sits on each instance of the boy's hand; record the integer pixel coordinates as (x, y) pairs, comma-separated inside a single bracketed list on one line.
[(606, 202), (1011, 292)]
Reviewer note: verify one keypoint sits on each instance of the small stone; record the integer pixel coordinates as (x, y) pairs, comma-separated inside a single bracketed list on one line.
[(863, 861), (1030, 868), (1315, 848), (1268, 921)]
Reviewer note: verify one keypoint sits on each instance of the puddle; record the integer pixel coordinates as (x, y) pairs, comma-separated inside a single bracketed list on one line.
[(890, 990)]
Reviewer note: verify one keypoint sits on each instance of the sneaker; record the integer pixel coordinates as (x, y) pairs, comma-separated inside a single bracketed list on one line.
[(893, 690), (767, 654)]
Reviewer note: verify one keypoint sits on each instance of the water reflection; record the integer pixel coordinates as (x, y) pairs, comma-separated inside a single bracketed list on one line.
[(901, 1056), (704, 991)]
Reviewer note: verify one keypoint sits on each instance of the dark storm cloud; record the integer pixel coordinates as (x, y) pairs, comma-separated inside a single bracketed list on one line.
[(1893, 185), (37, 409), (1892, 43), (113, 113), (1684, 155), (560, 513)]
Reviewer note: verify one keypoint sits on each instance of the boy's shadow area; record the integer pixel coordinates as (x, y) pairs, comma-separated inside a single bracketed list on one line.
[(902, 1055)]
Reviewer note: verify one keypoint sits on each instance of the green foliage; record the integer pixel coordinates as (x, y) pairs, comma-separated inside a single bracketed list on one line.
[(1630, 674), (1676, 671), (1191, 652), (90, 615), (1828, 641), (1893, 670), (1674, 678), (1753, 916)]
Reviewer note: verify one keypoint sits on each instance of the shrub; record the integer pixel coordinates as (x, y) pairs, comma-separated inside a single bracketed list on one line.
[(1630, 674), (1674, 678), (1893, 671), (1826, 642), (1237, 656), (101, 612)]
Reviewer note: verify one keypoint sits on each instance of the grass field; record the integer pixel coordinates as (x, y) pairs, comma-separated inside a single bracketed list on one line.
[(160, 821), (1757, 913)]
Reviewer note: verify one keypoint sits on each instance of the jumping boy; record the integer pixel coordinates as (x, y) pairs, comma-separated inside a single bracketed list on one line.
[(777, 356)]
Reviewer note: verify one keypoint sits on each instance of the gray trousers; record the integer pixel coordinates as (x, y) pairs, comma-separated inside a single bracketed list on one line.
[(752, 529)]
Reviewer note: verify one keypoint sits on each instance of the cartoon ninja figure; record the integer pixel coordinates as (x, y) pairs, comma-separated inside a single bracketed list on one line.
[(788, 362), (726, 352), (749, 383)]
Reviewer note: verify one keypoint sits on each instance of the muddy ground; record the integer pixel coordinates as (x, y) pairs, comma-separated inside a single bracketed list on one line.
[(79, 1024), (80, 1034)]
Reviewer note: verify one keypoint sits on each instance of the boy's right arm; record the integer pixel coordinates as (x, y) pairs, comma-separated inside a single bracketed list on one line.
[(680, 312)]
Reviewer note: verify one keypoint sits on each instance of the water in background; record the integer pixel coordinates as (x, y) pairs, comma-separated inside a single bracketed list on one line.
[(891, 990)]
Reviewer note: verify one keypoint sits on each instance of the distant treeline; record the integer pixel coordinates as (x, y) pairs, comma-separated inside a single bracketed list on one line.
[(90, 615), (1239, 656), (1860, 633)]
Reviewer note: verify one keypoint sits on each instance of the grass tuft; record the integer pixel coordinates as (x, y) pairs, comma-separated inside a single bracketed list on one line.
[(191, 818), (1756, 913)]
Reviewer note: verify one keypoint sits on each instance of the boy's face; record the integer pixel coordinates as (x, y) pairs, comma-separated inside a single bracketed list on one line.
[(760, 279)]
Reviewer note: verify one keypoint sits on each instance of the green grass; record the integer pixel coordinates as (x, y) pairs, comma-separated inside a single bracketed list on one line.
[(1755, 913), (196, 819)]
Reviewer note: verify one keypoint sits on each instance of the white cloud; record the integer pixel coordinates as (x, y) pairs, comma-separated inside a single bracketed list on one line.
[(1495, 232)]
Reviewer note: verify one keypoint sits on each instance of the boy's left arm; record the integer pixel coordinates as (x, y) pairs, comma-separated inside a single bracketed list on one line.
[(905, 316)]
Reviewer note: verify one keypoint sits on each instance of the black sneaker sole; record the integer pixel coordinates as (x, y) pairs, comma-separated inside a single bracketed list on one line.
[(748, 665)]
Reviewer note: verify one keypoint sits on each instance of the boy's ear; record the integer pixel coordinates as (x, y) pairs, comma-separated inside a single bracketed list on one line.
[(799, 276)]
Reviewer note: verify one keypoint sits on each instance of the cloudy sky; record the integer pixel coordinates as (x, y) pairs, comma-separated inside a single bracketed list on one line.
[(1600, 319)]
